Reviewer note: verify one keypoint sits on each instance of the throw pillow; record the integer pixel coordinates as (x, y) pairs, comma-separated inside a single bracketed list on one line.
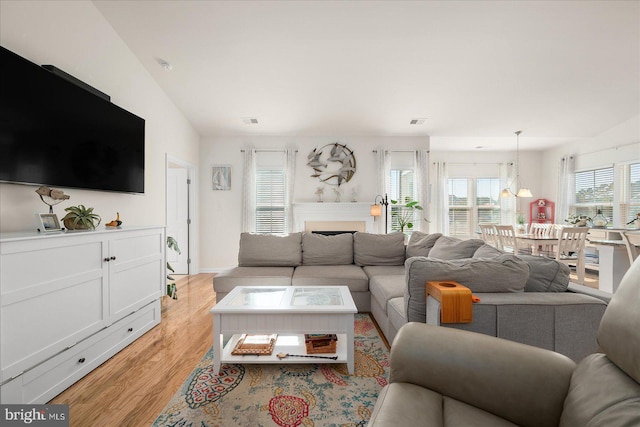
[(318, 249), (547, 275), (378, 249), (487, 251), (506, 273), (420, 244), (265, 250), (451, 248)]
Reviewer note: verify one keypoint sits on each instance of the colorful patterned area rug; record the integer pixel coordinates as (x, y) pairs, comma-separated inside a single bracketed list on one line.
[(287, 395)]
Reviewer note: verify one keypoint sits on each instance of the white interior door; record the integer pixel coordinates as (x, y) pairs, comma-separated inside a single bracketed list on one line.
[(178, 217)]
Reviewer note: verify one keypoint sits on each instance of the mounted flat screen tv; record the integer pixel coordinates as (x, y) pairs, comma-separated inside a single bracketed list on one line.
[(54, 132)]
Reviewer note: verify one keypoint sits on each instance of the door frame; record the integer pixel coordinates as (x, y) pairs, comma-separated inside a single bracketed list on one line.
[(192, 174)]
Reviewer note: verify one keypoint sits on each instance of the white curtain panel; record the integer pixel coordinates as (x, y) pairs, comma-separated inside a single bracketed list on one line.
[(508, 204), (383, 164), (422, 187), (440, 200), (566, 183), (249, 190), (290, 178)]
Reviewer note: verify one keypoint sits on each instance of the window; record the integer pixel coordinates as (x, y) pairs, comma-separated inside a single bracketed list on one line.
[(593, 191), (472, 201), (270, 208), (630, 197), (402, 187)]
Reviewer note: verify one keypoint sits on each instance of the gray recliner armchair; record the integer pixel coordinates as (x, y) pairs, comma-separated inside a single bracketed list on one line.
[(446, 377)]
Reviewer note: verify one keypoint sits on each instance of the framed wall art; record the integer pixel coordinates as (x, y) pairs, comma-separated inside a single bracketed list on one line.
[(221, 177)]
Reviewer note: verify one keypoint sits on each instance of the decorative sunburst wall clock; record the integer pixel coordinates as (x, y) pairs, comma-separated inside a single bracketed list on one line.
[(333, 164)]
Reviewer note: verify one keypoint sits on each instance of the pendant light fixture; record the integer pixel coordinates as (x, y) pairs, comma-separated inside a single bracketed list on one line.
[(522, 191)]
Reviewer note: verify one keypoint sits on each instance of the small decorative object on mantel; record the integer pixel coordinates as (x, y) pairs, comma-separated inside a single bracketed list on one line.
[(51, 197), (333, 168), (116, 223), (80, 218), (319, 192), (338, 194)]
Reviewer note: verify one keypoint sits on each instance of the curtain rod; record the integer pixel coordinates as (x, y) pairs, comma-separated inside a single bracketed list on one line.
[(273, 150), (605, 149), (476, 163)]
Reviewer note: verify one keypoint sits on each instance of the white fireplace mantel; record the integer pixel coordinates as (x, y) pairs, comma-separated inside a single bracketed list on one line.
[(332, 211)]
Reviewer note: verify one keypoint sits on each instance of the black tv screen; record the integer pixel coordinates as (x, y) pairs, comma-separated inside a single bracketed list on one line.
[(54, 132)]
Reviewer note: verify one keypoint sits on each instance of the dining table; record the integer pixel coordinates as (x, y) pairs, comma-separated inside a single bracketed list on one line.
[(535, 241)]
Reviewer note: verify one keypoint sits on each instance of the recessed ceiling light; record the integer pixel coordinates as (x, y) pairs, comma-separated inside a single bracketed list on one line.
[(250, 120), (479, 147), (416, 121), (164, 64)]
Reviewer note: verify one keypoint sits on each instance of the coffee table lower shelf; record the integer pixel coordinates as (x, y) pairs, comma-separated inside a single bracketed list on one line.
[(286, 343)]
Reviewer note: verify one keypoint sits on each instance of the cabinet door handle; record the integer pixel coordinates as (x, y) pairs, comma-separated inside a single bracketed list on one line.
[(130, 330), (106, 260), (113, 258), (81, 360)]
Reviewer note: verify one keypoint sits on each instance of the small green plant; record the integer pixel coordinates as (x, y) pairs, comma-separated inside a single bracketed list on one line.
[(405, 214), (172, 291), (80, 217), (520, 218)]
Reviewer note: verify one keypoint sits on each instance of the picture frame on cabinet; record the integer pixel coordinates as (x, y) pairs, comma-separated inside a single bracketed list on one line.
[(49, 222), (221, 177)]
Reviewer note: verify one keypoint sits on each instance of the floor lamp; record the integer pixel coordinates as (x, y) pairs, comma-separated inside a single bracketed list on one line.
[(376, 208)]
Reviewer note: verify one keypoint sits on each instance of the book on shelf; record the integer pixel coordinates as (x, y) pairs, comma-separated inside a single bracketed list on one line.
[(255, 344)]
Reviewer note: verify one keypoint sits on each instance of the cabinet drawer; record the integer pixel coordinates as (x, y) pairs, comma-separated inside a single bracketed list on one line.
[(47, 380)]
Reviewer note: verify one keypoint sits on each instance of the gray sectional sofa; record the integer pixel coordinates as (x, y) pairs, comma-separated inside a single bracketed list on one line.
[(522, 298)]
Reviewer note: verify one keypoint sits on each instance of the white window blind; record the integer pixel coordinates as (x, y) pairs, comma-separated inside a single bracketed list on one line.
[(402, 186), (594, 190), (487, 200), (270, 193), (630, 200), (460, 209)]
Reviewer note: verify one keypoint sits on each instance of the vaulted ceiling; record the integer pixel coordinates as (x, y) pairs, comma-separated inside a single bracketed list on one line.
[(475, 70)]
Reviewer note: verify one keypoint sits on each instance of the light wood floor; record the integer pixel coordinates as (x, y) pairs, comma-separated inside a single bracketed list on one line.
[(132, 387)]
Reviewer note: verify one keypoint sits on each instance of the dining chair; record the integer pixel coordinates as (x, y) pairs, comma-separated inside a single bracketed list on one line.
[(488, 233), (632, 241), (507, 238), (570, 248), (538, 229)]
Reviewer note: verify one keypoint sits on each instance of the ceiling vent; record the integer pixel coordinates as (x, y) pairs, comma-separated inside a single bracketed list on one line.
[(250, 120), (417, 121)]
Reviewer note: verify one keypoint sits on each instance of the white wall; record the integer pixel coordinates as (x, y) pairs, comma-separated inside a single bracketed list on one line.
[(75, 37), (614, 146), (220, 210)]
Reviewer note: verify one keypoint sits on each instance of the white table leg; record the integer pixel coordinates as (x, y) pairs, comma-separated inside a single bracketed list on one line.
[(350, 344), (217, 344)]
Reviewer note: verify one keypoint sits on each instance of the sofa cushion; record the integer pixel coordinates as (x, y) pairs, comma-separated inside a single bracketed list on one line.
[(451, 248), (383, 288), (383, 270), (546, 274), (420, 244), (351, 276), (318, 249), (487, 251), (378, 249), (506, 273), (601, 394), (265, 250), (252, 276)]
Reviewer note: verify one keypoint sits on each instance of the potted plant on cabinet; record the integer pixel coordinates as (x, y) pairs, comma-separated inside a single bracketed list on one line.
[(80, 218), (172, 291)]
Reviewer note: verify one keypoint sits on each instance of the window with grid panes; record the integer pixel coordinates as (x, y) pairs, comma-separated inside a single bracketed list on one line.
[(472, 201), (594, 190), (630, 200), (270, 194), (402, 190)]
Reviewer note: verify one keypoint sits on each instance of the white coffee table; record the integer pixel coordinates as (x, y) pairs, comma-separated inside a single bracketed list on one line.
[(289, 311)]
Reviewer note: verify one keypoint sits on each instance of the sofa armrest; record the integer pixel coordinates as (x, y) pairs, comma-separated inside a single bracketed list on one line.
[(520, 383), (585, 290)]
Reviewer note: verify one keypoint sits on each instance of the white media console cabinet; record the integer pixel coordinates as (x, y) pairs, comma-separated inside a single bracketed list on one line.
[(69, 301)]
